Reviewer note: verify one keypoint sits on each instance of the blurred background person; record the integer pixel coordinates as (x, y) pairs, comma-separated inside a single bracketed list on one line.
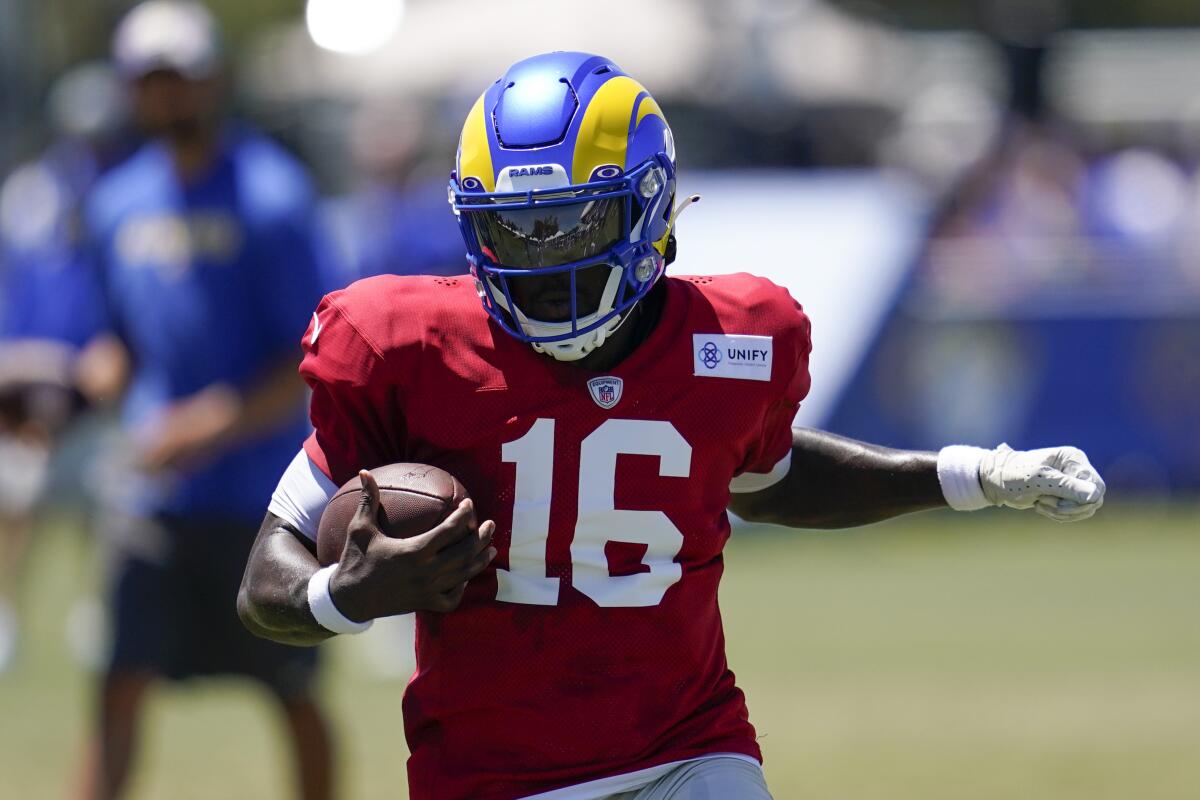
[(395, 220), (50, 307), (207, 246)]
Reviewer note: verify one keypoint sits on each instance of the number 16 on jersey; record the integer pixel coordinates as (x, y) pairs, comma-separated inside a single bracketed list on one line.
[(598, 521)]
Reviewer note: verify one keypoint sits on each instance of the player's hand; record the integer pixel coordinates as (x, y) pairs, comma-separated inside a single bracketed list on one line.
[(189, 432), (379, 576), (1057, 482)]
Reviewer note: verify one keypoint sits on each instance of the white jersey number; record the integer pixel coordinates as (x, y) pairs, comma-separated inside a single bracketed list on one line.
[(599, 521)]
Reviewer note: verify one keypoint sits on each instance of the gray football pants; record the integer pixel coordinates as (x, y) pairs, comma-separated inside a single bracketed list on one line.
[(711, 779)]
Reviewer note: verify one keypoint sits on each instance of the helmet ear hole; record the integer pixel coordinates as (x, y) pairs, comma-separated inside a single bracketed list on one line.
[(669, 256)]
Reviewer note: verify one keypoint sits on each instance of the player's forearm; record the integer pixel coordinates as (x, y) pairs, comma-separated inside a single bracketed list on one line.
[(275, 396), (835, 482), (273, 599)]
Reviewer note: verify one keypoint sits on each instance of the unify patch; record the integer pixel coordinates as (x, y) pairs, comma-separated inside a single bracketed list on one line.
[(722, 355)]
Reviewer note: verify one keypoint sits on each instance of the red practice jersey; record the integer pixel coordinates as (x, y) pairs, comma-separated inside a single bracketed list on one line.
[(592, 646)]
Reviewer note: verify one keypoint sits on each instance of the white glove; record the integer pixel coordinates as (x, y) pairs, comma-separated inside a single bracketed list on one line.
[(1057, 482)]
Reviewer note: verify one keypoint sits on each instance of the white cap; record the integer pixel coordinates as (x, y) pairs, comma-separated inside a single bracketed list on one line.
[(176, 35)]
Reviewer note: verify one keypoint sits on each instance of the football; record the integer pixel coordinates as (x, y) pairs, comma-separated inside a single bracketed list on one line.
[(412, 499)]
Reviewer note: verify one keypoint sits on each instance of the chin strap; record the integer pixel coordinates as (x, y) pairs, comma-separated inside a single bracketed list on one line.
[(692, 199), (670, 250)]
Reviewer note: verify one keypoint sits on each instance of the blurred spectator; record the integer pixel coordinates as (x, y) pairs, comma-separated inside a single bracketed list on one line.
[(1137, 197), (1041, 215), (1013, 221), (399, 222), (205, 239), (50, 303)]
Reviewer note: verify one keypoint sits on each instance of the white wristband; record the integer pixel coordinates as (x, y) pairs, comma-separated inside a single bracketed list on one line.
[(320, 603), (958, 473)]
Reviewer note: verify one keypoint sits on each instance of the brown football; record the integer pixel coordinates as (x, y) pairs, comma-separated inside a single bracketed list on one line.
[(412, 499)]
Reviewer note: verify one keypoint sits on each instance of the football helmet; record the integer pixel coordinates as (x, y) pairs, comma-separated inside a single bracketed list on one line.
[(565, 173)]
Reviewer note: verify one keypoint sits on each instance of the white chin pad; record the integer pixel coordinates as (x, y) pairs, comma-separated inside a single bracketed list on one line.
[(576, 348)]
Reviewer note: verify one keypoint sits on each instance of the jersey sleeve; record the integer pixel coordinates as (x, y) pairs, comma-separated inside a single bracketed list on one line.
[(356, 411), (769, 455)]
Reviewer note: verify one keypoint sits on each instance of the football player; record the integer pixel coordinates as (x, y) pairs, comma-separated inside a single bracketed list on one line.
[(604, 417)]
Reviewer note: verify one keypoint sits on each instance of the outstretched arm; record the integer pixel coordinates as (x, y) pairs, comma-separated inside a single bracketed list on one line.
[(835, 482)]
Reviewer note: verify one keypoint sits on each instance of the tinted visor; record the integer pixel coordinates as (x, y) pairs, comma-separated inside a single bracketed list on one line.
[(547, 236)]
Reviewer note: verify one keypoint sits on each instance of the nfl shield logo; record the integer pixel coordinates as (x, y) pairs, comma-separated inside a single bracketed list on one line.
[(606, 391)]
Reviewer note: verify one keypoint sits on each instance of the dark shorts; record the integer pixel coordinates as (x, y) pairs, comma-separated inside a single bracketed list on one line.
[(174, 606)]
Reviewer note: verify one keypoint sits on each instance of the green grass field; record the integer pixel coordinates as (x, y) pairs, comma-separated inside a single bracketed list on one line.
[(944, 656)]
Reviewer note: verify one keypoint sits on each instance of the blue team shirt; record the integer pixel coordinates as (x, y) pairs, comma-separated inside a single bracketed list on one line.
[(212, 281), (390, 231), (47, 287), (412, 232)]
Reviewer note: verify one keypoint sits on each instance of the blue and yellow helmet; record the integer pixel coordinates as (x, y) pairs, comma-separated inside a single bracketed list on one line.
[(565, 164)]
